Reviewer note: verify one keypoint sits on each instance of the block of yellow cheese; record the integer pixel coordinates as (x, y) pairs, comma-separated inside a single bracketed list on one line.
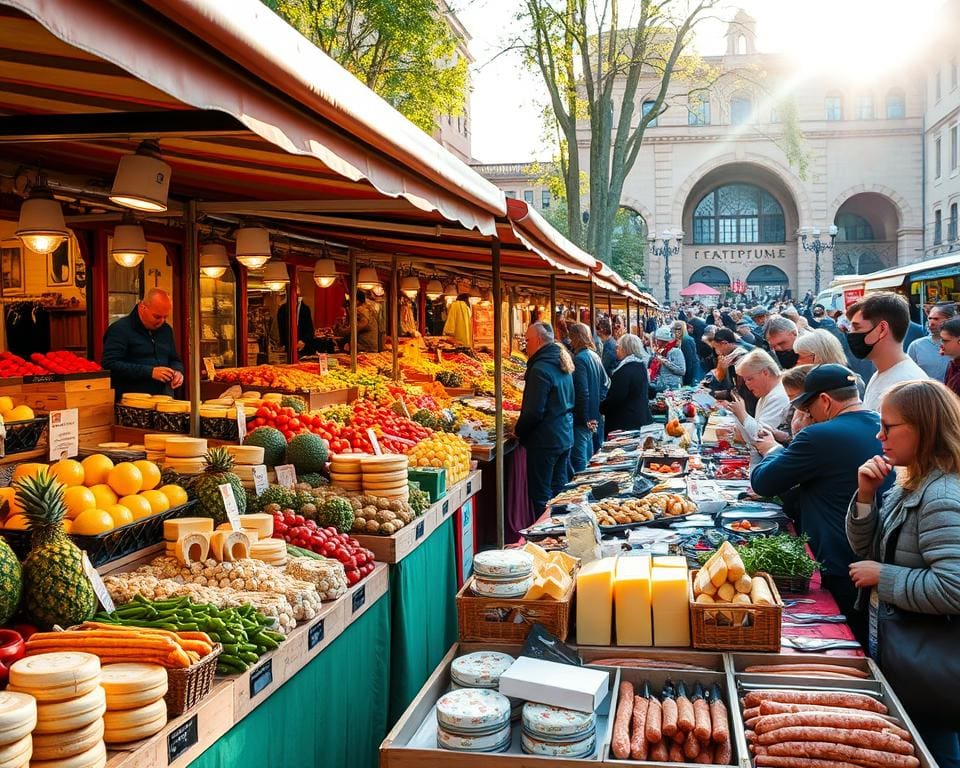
[(192, 548), (631, 593), (261, 522), (595, 602), (174, 530), (229, 546), (671, 609)]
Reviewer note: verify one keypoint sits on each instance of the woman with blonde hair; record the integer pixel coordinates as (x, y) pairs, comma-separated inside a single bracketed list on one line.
[(818, 347), (627, 405), (911, 546)]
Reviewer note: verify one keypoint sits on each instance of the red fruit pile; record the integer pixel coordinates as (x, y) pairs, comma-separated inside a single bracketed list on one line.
[(357, 561), (14, 365), (286, 420), (61, 361)]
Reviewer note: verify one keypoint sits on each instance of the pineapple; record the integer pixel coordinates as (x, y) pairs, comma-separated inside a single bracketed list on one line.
[(209, 500), (55, 588), (11, 582)]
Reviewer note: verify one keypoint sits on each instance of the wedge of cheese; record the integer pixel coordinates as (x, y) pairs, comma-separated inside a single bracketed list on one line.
[(229, 546), (565, 561), (538, 553), (174, 530), (192, 548), (632, 598), (595, 602), (547, 586)]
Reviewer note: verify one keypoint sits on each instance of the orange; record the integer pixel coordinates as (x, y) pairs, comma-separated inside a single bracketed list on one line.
[(9, 496), (16, 523), (121, 515), (96, 469), (175, 495), (92, 522), (139, 507), (67, 525), (158, 501), (27, 469), (125, 479), (68, 471), (78, 499), (104, 494), (150, 472)]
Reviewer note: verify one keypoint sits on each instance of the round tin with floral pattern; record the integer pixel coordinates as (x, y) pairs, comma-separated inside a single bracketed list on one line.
[(481, 669), (493, 742), (543, 720), (473, 711), (503, 564), (507, 589), (572, 749)]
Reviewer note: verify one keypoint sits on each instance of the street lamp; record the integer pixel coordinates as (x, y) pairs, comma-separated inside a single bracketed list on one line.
[(666, 250), (816, 247)]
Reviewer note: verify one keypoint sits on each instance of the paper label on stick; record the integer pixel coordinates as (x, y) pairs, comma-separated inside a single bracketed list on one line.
[(230, 505), (64, 433), (208, 367), (286, 475), (322, 364), (99, 588), (260, 482), (241, 424), (374, 442)]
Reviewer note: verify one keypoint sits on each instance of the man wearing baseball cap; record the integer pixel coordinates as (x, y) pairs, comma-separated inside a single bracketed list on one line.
[(821, 463)]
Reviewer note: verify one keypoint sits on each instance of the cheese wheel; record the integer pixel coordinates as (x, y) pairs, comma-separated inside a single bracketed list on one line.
[(185, 447), (138, 698), (389, 485), (130, 718), (385, 477), (92, 758), (64, 716), (129, 677), (273, 397), (384, 463), (254, 536), (192, 548), (174, 530), (17, 753), (55, 670), (347, 459), (135, 732), (185, 466), (113, 446), (259, 521), (174, 406), (246, 454), (229, 546), (57, 746), (17, 710), (157, 457)]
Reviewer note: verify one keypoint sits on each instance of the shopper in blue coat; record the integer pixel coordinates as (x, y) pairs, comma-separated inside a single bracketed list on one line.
[(545, 426), (590, 384)]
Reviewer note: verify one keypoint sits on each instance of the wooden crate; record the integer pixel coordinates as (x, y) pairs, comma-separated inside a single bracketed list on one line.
[(392, 549), (751, 627), (48, 400), (93, 436), (73, 382)]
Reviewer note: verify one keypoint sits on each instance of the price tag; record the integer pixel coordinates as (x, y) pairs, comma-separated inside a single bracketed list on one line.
[(421, 526), (406, 411), (261, 677), (99, 588), (322, 364), (3, 439), (359, 598), (286, 475), (315, 635), (260, 482), (374, 442), (208, 367), (446, 508), (230, 505), (181, 738), (241, 424), (64, 433)]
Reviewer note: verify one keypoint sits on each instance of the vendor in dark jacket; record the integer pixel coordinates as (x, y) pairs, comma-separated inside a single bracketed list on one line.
[(139, 349), (822, 462), (627, 405), (688, 347), (590, 384), (545, 426)]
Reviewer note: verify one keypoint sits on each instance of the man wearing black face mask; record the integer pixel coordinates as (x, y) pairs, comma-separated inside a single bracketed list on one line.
[(879, 322), (782, 332)]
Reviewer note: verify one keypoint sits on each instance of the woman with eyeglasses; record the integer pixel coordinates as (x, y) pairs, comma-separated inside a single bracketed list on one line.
[(911, 544), (950, 347)]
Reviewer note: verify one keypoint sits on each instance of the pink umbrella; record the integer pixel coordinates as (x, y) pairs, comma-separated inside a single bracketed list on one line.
[(699, 289)]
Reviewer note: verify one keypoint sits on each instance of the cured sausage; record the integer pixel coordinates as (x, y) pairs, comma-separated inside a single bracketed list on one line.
[(669, 704), (701, 715), (857, 737), (723, 753), (826, 751), (803, 669), (675, 753), (685, 719), (691, 747), (827, 698), (860, 720), (659, 752), (638, 741), (776, 761), (718, 717), (620, 744), (706, 755), (647, 664), (750, 712), (653, 729), (780, 707)]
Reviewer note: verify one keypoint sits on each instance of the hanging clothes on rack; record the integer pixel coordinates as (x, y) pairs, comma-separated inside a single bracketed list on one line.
[(27, 326)]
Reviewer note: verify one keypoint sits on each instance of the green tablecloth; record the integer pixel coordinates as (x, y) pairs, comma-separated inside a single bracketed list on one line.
[(332, 713), (423, 590)]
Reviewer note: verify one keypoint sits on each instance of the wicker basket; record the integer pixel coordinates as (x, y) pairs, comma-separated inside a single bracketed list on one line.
[(138, 418), (792, 585), (24, 435), (499, 620), (177, 423), (187, 687), (737, 627)]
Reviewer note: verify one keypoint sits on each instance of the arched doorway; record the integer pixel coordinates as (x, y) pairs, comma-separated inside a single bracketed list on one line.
[(712, 276), (866, 235), (767, 281)]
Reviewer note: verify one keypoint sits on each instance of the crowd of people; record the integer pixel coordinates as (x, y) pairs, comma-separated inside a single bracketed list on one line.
[(853, 421)]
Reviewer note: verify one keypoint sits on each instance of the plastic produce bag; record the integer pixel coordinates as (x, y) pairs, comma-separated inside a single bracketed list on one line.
[(582, 533)]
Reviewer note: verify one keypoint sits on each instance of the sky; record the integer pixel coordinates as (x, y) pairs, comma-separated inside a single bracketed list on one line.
[(859, 37)]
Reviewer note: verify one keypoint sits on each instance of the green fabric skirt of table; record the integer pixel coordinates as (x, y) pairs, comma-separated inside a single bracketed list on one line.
[(332, 713), (423, 592)]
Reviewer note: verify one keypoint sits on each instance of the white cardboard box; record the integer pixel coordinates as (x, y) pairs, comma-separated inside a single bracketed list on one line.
[(558, 685)]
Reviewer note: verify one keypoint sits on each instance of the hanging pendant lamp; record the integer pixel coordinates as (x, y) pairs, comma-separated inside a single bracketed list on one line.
[(41, 227), (434, 289), (253, 246), (410, 286), (275, 276), (214, 261), (367, 279), (142, 180), (325, 273), (129, 245)]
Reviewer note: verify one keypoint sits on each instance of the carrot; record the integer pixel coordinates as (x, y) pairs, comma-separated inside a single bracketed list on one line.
[(197, 646), (201, 636)]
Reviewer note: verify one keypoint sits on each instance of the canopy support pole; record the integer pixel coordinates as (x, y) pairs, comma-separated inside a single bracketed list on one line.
[(192, 267), (593, 308), (610, 305), (627, 319), (293, 314), (353, 310), (498, 389), (553, 300), (394, 319)]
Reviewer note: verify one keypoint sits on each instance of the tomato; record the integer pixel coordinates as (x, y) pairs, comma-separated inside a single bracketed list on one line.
[(329, 548), (293, 424)]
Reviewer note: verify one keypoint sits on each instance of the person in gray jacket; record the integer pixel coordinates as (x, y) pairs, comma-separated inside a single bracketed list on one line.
[(912, 548), (667, 366)]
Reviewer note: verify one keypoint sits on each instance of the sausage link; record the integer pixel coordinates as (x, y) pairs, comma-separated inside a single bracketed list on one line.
[(691, 746), (776, 761), (857, 737), (638, 740), (860, 720), (723, 753), (653, 729), (706, 755), (828, 698), (669, 716), (803, 669), (780, 707), (685, 717), (620, 744), (701, 720), (659, 752), (718, 718), (827, 751), (675, 753)]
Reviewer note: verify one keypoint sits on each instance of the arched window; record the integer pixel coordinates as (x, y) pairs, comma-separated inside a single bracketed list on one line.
[(896, 104), (712, 276), (738, 213), (865, 106), (833, 105), (646, 109), (741, 108), (853, 228), (698, 110)]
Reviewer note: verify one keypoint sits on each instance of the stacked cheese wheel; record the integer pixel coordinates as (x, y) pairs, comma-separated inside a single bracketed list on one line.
[(385, 476), (135, 706), (156, 446), (18, 718), (346, 472), (185, 455), (246, 460), (70, 708)]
